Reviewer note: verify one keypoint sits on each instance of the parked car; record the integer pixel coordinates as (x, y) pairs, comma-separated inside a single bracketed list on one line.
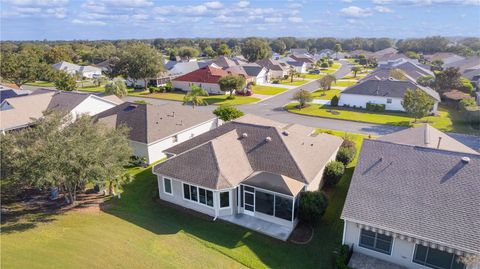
[(316, 71)]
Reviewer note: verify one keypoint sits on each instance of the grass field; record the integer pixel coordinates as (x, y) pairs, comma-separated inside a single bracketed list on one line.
[(343, 83), (92, 89), (41, 84), (212, 99), (314, 76), (296, 82), (325, 95), (445, 121), (267, 90), (137, 232)]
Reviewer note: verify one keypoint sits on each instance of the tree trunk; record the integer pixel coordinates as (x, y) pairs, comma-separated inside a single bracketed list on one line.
[(110, 188), (146, 86)]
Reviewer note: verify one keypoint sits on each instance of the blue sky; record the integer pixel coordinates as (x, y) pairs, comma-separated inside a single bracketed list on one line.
[(122, 19)]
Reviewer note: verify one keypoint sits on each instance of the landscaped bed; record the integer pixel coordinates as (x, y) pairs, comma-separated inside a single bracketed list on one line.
[(212, 99), (445, 121), (267, 90), (137, 232)]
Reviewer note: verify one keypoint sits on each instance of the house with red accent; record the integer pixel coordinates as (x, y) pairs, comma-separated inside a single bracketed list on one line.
[(207, 78)]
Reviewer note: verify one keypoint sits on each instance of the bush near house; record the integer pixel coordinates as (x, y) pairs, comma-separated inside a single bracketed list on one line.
[(343, 257), (375, 107), (345, 155), (227, 112), (333, 173), (313, 205), (334, 101)]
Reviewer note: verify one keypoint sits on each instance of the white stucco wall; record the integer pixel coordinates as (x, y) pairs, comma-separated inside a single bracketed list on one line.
[(362, 100), (211, 88), (402, 250), (91, 106), (155, 151), (91, 74), (262, 77)]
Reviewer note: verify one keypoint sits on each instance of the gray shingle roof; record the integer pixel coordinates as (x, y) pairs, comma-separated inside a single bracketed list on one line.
[(423, 192), (66, 101), (387, 88), (150, 123), (290, 154)]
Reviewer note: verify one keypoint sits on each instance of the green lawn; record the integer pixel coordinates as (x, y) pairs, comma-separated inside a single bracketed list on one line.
[(137, 232), (325, 95), (92, 89), (358, 77), (212, 99), (296, 82), (41, 84), (445, 121), (267, 90), (343, 83), (313, 76)]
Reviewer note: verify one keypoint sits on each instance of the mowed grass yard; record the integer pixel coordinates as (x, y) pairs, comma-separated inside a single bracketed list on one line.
[(267, 90), (137, 232), (296, 82), (325, 95), (212, 99), (447, 119), (41, 84)]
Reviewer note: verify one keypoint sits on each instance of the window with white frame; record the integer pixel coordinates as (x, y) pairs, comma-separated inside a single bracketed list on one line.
[(435, 258), (197, 194), (375, 241), (225, 199), (167, 185), (389, 100)]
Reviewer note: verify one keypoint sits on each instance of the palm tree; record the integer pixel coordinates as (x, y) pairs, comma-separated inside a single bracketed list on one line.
[(292, 73), (195, 96), (116, 87), (355, 69), (326, 81)]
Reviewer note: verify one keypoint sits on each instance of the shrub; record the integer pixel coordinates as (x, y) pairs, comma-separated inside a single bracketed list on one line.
[(468, 102), (312, 206), (347, 143), (152, 89), (466, 85), (334, 101), (330, 62), (343, 257), (333, 173), (285, 76), (138, 161), (324, 65), (230, 97), (168, 87), (227, 112), (375, 107), (303, 96), (345, 155)]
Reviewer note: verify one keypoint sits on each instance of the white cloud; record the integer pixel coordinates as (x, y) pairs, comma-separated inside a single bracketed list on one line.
[(294, 5), (356, 12), (126, 3), (382, 9), (428, 2), (381, 2), (214, 5), (181, 10), (44, 3), (243, 4), (77, 21), (140, 17), (295, 19), (347, 1), (273, 19)]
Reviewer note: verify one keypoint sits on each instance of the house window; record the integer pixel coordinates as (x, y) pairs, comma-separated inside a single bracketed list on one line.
[(389, 100), (175, 138), (435, 258), (167, 185), (197, 194), (376, 241), (264, 202), (283, 207), (225, 199)]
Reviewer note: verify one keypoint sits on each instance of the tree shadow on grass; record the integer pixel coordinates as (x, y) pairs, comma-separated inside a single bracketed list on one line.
[(138, 206)]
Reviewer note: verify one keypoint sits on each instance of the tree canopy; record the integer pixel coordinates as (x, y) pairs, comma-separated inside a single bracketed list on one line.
[(116, 87), (194, 96), (227, 112), (187, 52), (64, 81), (417, 103), (231, 83), (60, 153), (256, 49), (327, 80), (22, 67), (303, 96)]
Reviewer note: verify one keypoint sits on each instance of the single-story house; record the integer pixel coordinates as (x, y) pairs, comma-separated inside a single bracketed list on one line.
[(20, 112), (206, 77), (300, 67), (325, 53), (307, 59), (154, 128), (87, 71), (274, 67), (299, 51), (226, 62), (412, 69), (389, 92), (446, 57), (250, 171), (259, 74), (414, 204)]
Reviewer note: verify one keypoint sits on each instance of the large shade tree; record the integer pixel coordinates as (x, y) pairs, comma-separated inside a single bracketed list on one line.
[(64, 81), (255, 49), (139, 61), (23, 66), (187, 52), (417, 103), (326, 81), (116, 87), (60, 152), (231, 83)]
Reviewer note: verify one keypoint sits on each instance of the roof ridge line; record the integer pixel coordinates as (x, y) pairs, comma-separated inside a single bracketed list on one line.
[(416, 146), (290, 155)]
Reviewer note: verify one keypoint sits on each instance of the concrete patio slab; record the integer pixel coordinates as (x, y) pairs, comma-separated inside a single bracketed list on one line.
[(271, 229), (361, 261)]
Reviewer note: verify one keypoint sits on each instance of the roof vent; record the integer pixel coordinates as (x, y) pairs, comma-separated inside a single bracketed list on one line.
[(285, 133), (244, 135), (268, 139), (465, 159)]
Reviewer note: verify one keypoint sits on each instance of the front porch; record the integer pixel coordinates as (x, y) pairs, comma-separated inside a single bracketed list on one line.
[(261, 226)]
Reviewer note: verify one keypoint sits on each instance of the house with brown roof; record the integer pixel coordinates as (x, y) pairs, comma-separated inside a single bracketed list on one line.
[(206, 78), (154, 128), (20, 112), (250, 172), (274, 67), (413, 201)]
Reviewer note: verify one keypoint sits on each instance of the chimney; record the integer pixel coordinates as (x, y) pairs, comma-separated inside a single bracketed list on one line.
[(439, 140), (465, 160)]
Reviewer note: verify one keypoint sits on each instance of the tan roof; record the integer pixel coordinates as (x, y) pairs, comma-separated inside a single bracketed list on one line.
[(256, 120), (25, 109), (427, 136), (275, 182), (113, 98)]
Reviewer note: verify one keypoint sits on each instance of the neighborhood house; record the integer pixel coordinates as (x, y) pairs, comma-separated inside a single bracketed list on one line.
[(87, 71), (250, 172)]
